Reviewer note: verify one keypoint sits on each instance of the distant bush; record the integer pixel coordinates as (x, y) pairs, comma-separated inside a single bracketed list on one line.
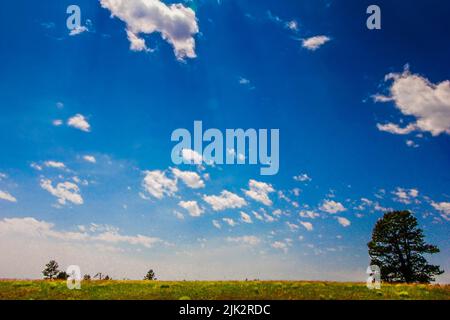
[(150, 275)]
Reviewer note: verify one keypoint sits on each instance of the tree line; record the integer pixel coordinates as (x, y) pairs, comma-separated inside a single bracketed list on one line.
[(397, 247), (52, 272)]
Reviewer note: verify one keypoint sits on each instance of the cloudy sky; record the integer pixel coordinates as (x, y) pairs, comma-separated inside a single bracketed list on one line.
[(86, 175)]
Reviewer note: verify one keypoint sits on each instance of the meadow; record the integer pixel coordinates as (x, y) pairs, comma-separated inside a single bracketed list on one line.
[(216, 290)]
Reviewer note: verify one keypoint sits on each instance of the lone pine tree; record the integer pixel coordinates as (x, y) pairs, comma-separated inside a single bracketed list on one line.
[(51, 270), (398, 246)]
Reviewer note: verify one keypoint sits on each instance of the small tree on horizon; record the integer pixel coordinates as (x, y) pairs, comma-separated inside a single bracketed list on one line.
[(398, 246), (150, 275), (62, 275), (51, 270)]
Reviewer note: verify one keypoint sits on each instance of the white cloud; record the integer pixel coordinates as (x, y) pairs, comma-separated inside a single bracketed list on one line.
[(308, 214), (78, 121), (158, 185), (90, 159), (308, 225), (315, 43), (179, 215), (259, 191), (269, 218), (230, 222), (7, 196), (243, 81), (78, 30), (416, 96), (31, 227), (444, 208), (190, 178), (115, 237), (405, 196), (248, 240), (396, 129), (292, 226), (292, 25), (280, 245), (344, 221), (192, 207), (55, 164), (331, 206), (258, 216), (176, 23), (302, 178), (57, 122), (226, 200), (36, 166), (411, 144), (246, 218), (64, 191), (216, 224), (136, 43), (191, 156)]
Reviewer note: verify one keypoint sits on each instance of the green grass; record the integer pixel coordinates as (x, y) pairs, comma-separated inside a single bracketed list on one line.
[(215, 290)]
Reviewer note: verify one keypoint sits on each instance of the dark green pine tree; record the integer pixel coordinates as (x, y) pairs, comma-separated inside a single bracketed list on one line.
[(398, 246)]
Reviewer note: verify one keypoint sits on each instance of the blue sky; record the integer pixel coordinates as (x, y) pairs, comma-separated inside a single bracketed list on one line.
[(86, 119)]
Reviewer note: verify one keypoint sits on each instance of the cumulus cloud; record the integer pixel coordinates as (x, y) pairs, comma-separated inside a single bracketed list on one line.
[(303, 177), (292, 226), (157, 184), (115, 237), (230, 222), (78, 121), (247, 240), (32, 227), (315, 43), (343, 221), (331, 206), (307, 225), (216, 224), (416, 96), (308, 214), (226, 200), (259, 191), (405, 196), (191, 156), (136, 43), (7, 196), (246, 218), (190, 178), (179, 215), (78, 30), (280, 246), (443, 208), (176, 23), (64, 191), (55, 164), (89, 158), (396, 129), (258, 216), (192, 207)]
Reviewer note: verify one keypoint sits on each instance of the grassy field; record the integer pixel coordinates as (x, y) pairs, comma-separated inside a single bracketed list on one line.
[(215, 290)]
